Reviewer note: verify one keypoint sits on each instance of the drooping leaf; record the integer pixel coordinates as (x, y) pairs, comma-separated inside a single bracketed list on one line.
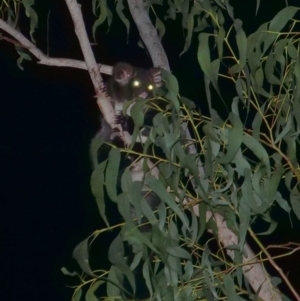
[(32, 15), (277, 24), (258, 151), (241, 41), (112, 171), (295, 201), (97, 186), (230, 288), (189, 24), (119, 9), (105, 13), (235, 135), (77, 295), (244, 209), (116, 257), (178, 252), (160, 26), (172, 87), (81, 255), (146, 274), (157, 187), (112, 287), (90, 294)]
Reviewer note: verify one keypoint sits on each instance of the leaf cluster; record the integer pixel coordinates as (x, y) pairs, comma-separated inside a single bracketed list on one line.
[(241, 168)]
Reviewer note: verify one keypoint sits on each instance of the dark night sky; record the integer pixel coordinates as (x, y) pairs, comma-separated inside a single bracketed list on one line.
[(47, 118)]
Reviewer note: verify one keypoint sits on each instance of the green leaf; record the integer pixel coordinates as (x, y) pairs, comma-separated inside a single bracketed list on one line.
[(148, 212), (77, 295), (279, 55), (158, 188), (31, 14), (240, 163), (241, 41), (90, 294), (112, 288), (229, 9), (281, 18), (269, 70), (178, 252), (66, 272), (126, 180), (94, 148), (162, 214), (112, 172), (160, 26), (137, 257), (220, 41), (235, 135), (230, 288), (23, 56), (239, 89), (81, 255), (278, 23), (253, 62), (257, 122), (273, 224), (194, 226), (189, 24), (271, 185), (258, 151), (104, 12), (172, 87), (239, 274), (276, 281), (136, 112), (244, 209), (292, 50), (296, 92), (203, 208), (210, 70), (146, 274), (123, 201), (209, 157), (171, 273), (97, 186), (295, 201), (116, 257), (119, 9), (188, 271)]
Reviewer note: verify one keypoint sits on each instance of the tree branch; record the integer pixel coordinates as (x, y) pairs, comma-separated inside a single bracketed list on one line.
[(148, 34), (252, 268), (89, 58), (91, 65), (21, 41)]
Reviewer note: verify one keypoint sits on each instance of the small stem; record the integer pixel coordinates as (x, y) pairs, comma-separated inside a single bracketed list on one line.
[(274, 264)]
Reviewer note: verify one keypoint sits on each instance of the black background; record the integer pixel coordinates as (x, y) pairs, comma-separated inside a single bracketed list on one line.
[(48, 116)]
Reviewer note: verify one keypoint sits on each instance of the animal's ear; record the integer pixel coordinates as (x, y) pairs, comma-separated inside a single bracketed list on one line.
[(156, 76), (123, 73)]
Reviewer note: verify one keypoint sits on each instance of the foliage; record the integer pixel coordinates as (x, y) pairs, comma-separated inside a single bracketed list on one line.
[(241, 167), (10, 12), (247, 160)]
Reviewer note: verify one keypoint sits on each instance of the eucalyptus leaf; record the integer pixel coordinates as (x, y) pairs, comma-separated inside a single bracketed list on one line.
[(81, 255), (116, 257), (97, 186), (112, 171)]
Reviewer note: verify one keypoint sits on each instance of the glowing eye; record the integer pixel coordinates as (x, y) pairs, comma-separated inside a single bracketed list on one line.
[(136, 83), (150, 87)]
